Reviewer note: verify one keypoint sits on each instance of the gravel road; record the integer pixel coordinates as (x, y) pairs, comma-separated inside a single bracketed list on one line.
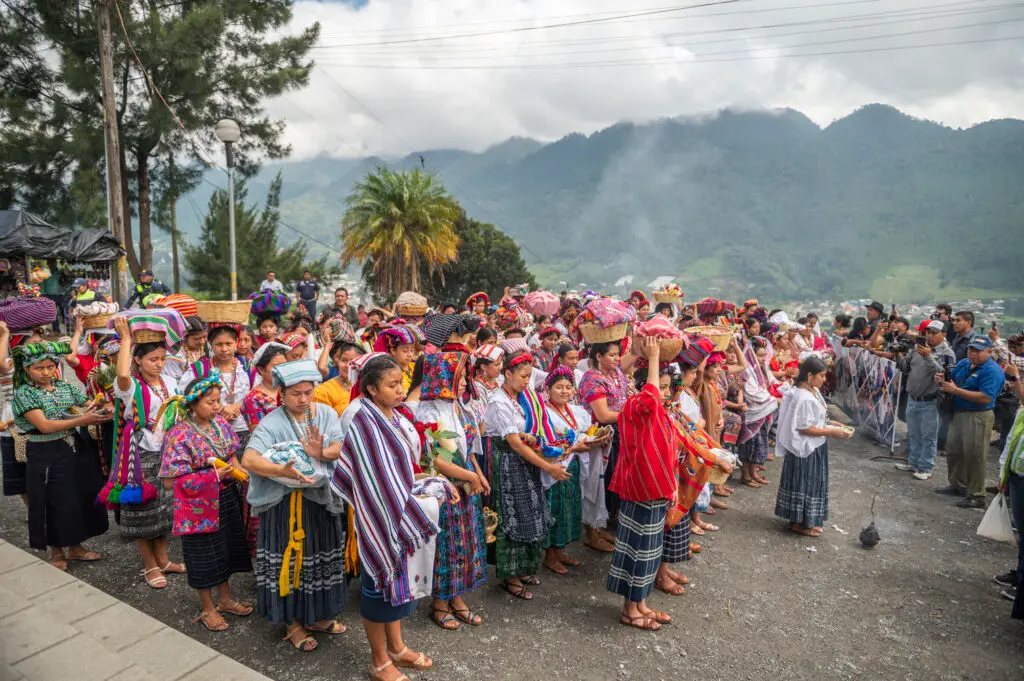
[(764, 604)]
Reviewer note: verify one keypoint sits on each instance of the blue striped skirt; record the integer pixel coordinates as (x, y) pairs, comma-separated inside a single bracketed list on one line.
[(639, 542), (803, 489), (677, 542)]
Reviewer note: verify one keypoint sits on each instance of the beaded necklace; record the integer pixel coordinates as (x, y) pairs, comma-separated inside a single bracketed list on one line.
[(301, 430), (215, 438), (566, 416)]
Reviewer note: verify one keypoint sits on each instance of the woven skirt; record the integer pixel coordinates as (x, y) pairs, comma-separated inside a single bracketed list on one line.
[(677, 542), (323, 587), (153, 519), (62, 488), (213, 557), (803, 489), (639, 542), (755, 450), (512, 559), (460, 562), (565, 499), (15, 472)]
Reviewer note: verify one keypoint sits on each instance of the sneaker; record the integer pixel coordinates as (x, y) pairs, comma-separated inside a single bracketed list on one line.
[(952, 491), (922, 475), (903, 467), (1009, 593), (1008, 579), (971, 502)]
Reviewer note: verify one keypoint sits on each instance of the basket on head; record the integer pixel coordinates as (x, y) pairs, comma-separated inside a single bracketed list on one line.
[(669, 349), (226, 311), (721, 336), (666, 298), (96, 321), (593, 333), (147, 336), (410, 310)]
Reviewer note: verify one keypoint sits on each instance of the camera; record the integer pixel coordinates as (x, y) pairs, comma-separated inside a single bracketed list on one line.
[(947, 374), (899, 347)]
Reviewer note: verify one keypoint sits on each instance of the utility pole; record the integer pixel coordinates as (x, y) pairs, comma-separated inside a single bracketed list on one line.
[(119, 277), (174, 244)]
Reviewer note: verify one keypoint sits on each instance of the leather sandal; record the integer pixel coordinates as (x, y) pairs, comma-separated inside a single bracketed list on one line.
[(158, 582), (422, 663), (375, 672), (642, 622), (204, 620)]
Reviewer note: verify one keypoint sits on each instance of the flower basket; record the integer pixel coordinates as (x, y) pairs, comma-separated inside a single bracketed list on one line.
[(593, 333), (226, 311), (721, 336), (96, 321), (667, 298)]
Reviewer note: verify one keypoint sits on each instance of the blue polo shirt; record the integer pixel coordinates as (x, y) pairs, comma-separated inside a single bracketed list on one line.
[(988, 379)]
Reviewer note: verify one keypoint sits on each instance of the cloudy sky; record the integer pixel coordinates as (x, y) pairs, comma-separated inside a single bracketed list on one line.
[(397, 75)]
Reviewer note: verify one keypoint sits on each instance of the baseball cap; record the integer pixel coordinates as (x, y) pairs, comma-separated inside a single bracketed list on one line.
[(981, 343), (146, 273), (78, 282), (935, 325)]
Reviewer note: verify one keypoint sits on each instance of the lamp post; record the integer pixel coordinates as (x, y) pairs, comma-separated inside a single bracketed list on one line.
[(227, 132)]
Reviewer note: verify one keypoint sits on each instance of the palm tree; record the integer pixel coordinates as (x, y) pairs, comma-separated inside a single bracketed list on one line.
[(402, 221)]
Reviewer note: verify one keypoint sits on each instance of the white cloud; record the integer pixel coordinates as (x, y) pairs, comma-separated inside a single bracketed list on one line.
[(693, 61)]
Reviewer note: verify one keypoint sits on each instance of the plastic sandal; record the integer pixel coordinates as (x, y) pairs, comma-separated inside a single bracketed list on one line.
[(517, 590), (443, 621), (173, 568), (470, 618), (84, 557), (661, 617), (529, 580), (158, 582)]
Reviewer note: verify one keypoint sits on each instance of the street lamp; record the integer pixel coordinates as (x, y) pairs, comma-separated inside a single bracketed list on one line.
[(227, 131)]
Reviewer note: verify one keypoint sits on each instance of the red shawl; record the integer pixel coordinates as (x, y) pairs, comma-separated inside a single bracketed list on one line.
[(647, 467)]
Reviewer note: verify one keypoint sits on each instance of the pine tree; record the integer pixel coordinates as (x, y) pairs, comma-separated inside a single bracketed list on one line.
[(256, 246)]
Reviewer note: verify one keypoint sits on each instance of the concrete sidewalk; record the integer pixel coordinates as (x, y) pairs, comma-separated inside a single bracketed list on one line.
[(54, 626)]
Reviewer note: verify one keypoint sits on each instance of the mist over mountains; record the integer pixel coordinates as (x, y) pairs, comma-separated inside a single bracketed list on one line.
[(876, 203)]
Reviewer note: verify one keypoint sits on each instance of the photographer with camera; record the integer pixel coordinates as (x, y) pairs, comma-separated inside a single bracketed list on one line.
[(929, 356), (976, 382)]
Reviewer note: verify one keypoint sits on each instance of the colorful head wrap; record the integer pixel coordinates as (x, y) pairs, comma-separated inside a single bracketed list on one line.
[(185, 305), (511, 346), (441, 373), (479, 295), (174, 408), (107, 345), (525, 358), (394, 336), (299, 371), (33, 353), (557, 374), (263, 349), (339, 330), (293, 339), (356, 366), (760, 342), (716, 358), (752, 301), (439, 328), (696, 352), (549, 331), (491, 353)]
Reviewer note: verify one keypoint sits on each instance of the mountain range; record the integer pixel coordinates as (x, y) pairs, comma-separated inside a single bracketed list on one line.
[(876, 203)]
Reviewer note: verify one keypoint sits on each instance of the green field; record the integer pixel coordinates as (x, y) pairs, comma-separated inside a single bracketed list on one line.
[(919, 283)]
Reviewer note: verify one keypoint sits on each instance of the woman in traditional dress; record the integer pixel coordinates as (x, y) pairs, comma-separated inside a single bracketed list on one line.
[(478, 303), (234, 378), (545, 353), (375, 475), (460, 563), (14, 480), (62, 481), (300, 548), (646, 482), (692, 359), (141, 388), (399, 341), (207, 496), (337, 391), (489, 360), (264, 395), (299, 344), (246, 349), (803, 435), (710, 395), (517, 492), (191, 350), (565, 498), (268, 328), (752, 444), (603, 392)]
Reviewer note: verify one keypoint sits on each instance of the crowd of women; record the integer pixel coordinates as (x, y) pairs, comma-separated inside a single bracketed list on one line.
[(410, 454)]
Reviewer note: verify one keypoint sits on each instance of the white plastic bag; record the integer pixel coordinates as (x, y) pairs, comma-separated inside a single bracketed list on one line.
[(996, 523), (421, 563)]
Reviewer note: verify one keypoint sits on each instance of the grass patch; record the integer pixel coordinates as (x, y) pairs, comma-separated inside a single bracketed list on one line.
[(916, 283)]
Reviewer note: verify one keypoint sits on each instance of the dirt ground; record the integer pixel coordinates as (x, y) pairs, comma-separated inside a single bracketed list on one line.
[(764, 604)]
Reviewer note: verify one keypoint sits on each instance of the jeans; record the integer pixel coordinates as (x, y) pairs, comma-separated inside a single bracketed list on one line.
[(967, 450), (922, 434), (1016, 485)]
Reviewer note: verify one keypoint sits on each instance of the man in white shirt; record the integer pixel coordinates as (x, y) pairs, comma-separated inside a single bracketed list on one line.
[(271, 283)]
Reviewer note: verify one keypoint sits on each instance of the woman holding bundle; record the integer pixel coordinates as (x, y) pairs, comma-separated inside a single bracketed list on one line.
[(646, 482), (517, 493), (803, 435), (141, 388), (62, 484), (300, 547), (208, 500)]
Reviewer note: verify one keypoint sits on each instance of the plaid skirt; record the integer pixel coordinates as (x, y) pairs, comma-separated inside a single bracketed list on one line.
[(212, 558), (803, 489), (152, 519), (755, 450), (460, 562), (323, 587), (639, 542), (15, 473), (565, 499), (511, 559), (677, 542)]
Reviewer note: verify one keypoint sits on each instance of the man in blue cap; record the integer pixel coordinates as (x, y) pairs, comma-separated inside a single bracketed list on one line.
[(977, 381), (146, 289)]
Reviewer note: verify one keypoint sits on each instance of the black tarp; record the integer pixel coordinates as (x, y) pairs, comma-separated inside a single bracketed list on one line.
[(26, 234)]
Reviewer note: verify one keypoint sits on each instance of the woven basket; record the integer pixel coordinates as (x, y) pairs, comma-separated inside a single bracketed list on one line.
[(410, 310), (717, 476), (666, 298), (592, 333), (721, 336), (669, 348), (148, 336), (227, 311), (96, 321)]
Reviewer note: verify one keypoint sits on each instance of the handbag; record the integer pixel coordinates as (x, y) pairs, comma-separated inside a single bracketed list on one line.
[(733, 426), (196, 503), (996, 524)]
